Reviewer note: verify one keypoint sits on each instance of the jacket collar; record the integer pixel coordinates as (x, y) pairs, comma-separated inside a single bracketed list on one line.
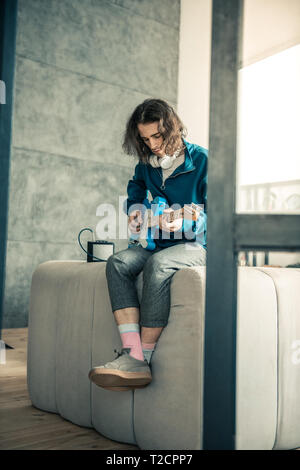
[(188, 164)]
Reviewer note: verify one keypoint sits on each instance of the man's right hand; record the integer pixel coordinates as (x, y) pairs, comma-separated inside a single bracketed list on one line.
[(135, 221)]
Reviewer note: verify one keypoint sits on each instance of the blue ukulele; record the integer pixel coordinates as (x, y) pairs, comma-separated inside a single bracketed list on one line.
[(151, 214)]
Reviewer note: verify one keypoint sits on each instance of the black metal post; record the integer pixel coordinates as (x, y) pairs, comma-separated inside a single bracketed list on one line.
[(221, 283)]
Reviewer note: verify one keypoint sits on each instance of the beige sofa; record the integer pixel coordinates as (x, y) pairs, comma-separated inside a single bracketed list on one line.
[(71, 329)]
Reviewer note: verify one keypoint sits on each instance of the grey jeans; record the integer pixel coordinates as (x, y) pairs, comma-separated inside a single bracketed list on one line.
[(158, 267)]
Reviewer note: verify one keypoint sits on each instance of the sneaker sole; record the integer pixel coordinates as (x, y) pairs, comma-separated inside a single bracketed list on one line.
[(124, 389), (112, 378)]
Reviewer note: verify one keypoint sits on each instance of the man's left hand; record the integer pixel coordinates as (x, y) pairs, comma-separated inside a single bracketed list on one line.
[(169, 226)]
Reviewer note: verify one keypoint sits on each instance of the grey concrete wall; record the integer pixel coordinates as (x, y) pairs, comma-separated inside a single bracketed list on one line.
[(81, 68)]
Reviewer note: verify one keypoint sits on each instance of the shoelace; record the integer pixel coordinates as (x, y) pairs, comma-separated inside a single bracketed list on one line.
[(118, 353)]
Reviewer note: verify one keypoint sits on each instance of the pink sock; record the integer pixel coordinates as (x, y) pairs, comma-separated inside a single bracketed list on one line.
[(130, 337)]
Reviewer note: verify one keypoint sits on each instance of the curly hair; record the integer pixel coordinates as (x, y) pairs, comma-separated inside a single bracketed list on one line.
[(169, 125)]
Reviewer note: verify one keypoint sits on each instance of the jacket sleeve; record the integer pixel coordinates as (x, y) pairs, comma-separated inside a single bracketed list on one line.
[(200, 224), (136, 189), (197, 229)]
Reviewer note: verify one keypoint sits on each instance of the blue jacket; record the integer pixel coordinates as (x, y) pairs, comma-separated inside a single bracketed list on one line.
[(187, 184)]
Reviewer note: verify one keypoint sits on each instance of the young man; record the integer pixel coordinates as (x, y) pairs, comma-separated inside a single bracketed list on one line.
[(176, 170)]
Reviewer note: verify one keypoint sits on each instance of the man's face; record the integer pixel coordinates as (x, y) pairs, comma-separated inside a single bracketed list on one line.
[(152, 137)]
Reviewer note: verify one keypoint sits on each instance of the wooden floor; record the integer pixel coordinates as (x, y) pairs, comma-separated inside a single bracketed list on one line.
[(24, 427)]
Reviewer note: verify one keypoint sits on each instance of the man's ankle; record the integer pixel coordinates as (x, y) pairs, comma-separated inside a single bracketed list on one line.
[(131, 339), (148, 350), (150, 335), (127, 315)]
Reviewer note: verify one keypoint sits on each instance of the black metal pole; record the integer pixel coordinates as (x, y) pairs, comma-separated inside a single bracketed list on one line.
[(221, 272), (8, 26)]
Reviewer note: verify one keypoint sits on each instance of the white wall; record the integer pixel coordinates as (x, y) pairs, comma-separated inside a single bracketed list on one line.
[(194, 69), (269, 119), (270, 26), (269, 97)]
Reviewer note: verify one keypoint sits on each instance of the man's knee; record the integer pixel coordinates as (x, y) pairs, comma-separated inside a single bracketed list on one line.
[(115, 262), (156, 264), (122, 262)]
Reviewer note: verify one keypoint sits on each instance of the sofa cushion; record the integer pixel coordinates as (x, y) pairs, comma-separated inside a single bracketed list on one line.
[(172, 404), (71, 330), (287, 285)]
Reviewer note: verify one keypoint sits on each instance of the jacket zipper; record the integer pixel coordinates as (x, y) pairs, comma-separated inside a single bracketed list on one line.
[(174, 176)]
